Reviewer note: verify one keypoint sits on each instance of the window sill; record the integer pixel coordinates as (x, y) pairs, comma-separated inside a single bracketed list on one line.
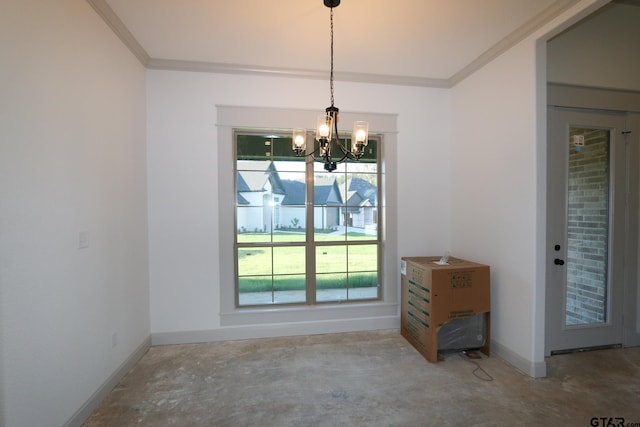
[(302, 313)]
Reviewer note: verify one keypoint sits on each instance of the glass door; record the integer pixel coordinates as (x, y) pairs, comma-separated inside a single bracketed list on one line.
[(585, 223)]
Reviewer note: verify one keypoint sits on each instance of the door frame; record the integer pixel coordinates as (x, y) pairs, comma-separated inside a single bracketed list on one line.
[(588, 98)]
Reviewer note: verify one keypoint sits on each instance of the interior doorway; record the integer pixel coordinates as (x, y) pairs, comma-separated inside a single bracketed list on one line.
[(592, 286)]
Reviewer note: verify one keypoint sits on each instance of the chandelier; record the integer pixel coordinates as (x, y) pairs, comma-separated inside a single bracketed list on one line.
[(327, 126)]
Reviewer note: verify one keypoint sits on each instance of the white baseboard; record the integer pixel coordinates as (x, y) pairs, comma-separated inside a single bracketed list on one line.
[(98, 396), (275, 330), (533, 369)]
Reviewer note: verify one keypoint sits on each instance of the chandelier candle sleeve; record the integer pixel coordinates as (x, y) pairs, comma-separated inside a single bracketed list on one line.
[(324, 127), (324, 130), (359, 138)]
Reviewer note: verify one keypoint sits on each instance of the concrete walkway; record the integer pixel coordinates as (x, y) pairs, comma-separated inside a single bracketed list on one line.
[(322, 295)]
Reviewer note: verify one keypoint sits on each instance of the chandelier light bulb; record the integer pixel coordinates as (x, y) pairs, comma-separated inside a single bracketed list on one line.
[(298, 140)]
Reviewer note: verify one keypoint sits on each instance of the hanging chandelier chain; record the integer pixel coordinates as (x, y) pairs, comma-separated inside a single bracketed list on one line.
[(331, 76), (327, 125)]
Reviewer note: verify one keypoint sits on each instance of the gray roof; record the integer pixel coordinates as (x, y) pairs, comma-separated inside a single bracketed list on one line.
[(295, 193), (365, 190), (242, 200), (326, 194), (256, 174)]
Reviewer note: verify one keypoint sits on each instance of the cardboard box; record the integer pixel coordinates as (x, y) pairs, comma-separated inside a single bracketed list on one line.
[(434, 295)]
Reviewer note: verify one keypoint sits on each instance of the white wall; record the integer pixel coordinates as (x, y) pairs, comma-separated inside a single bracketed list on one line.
[(72, 159), (494, 187), (183, 179), (498, 186)]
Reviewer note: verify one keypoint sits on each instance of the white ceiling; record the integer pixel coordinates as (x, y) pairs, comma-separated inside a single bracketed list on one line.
[(415, 40)]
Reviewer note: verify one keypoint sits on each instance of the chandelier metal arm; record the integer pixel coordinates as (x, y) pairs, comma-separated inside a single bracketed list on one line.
[(337, 135)]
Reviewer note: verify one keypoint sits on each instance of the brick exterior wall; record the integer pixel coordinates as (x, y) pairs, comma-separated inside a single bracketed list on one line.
[(588, 228)]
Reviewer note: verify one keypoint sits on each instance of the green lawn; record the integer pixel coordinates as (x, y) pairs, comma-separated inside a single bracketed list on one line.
[(297, 283), (283, 236), (263, 269)]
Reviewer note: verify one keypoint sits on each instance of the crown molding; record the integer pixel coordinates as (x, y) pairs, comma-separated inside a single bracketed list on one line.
[(544, 17), (117, 26), (212, 67)]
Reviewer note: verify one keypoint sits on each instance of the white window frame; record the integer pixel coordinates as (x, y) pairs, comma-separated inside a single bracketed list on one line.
[(310, 243), (231, 117)]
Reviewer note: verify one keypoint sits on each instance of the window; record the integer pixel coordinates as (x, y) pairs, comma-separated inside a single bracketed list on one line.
[(304, 235), (295, 318)]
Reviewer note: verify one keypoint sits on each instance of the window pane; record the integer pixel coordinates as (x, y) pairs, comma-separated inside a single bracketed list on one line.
[(255, 290), (336, 282), (588, 228), (361, 167), (292, 227), (328, 207), (289, 289), (331, 287), (289, 260), (251, 226), (365, 279), (254, 261), (257, 181), (261, 147), (346, 287), (282, 152), (331, 259), (363, 258), (289, 164), (253, 147), (255, 284), (363, 285), (361, 202), (268, 200), (290, 211)]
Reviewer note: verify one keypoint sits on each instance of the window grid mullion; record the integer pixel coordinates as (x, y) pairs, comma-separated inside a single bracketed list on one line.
[(310, 243)]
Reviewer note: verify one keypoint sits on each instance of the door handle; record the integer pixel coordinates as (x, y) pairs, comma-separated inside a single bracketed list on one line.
[(558, 261)]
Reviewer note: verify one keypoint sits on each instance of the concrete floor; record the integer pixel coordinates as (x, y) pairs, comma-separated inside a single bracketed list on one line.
[(365, 379)]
